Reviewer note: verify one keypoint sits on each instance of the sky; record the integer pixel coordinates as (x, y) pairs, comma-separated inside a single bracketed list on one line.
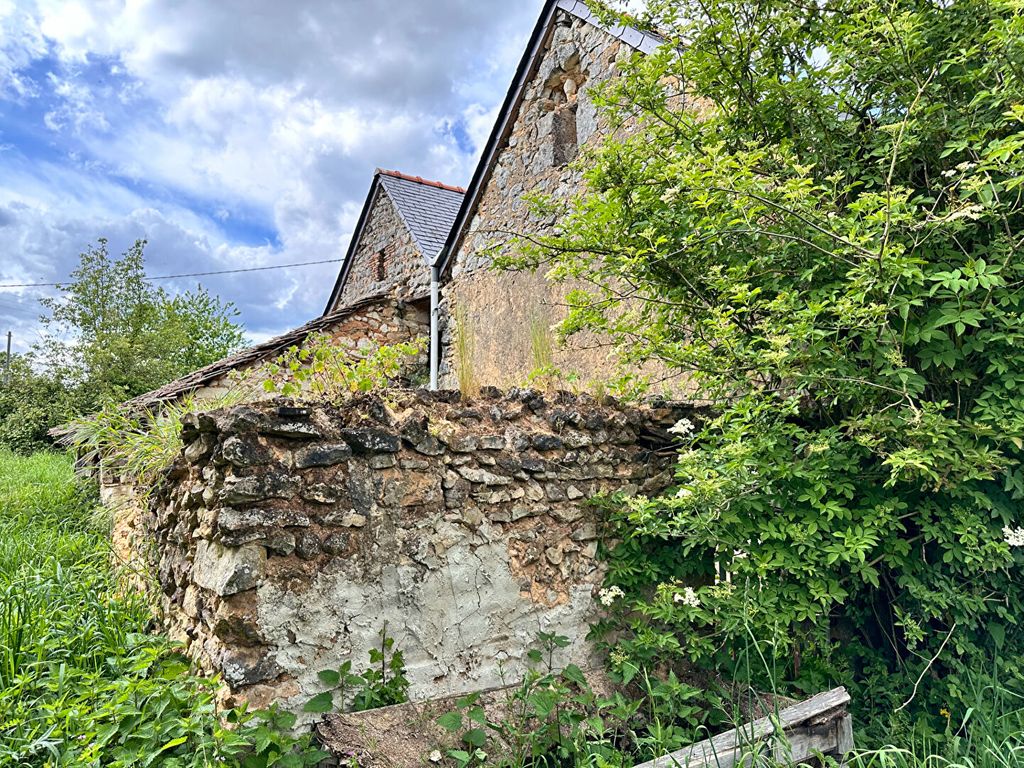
[(231, 134)]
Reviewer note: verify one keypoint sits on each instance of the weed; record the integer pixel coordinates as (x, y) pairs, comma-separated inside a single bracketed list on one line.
[(465, 350), (382, 684)]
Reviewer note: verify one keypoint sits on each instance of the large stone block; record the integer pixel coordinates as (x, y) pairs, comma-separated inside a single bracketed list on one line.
[(228, 571)]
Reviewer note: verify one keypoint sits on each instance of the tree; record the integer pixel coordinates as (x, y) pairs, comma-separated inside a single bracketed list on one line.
[(31, 403), (116, 335), (823, 229), (110, 336)]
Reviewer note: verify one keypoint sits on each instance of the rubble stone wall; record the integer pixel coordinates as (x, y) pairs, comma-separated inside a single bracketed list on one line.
[(387, 259), (287, 538), (383, 323)]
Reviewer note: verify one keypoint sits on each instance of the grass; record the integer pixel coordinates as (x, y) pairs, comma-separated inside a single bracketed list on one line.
[(465, 350), (54, 583), (990, 736), (82, 682)]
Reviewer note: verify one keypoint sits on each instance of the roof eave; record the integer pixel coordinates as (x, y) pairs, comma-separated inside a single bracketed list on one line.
[(499, 133)]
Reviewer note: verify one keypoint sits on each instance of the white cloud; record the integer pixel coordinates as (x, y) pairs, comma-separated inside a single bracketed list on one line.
[(200, 125)]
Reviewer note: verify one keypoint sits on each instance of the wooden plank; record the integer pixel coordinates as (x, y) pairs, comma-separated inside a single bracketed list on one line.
[(845, 745), (819, 725)]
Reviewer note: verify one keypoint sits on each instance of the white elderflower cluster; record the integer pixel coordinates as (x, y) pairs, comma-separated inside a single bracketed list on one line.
[(683, 427), (687, 597), (608, 596), (1014, 536), (684, 493), (670, 195)]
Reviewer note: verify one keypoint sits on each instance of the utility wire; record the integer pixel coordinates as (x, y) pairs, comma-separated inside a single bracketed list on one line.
[(193, 274)]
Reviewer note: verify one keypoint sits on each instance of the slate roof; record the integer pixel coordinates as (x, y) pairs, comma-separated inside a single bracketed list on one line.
[(427, 208)]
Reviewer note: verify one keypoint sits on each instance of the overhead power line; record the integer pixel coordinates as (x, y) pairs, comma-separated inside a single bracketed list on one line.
[(192, 274)]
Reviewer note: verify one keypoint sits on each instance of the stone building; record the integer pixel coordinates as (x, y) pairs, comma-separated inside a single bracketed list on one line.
[(287, 537), (547, 119), (422, 249), (403, 226)]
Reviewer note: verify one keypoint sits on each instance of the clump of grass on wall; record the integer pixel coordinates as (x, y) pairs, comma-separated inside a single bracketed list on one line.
[(540, 341), (465, 349)]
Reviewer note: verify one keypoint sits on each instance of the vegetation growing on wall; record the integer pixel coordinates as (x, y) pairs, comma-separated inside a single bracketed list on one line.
[(464, 352), (321, 368), (142, 442), (828, 243)]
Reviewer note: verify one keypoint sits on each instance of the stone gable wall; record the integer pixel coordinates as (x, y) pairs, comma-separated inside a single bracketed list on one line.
[(406, 275), (287, 538), (556, 120)]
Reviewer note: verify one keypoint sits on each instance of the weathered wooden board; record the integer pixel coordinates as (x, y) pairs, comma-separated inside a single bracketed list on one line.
[(818, 726)]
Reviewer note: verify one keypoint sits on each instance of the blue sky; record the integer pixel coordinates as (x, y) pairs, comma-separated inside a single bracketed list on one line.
[(232, 134)]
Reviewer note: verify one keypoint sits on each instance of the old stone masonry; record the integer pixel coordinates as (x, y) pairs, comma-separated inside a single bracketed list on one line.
[(288, 536)]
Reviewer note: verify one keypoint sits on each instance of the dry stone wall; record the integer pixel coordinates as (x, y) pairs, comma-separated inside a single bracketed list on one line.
[(387, 259), (382, 323), (288, 537)]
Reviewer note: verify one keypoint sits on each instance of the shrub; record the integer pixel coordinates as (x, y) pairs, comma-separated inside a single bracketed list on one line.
[(828, 245)]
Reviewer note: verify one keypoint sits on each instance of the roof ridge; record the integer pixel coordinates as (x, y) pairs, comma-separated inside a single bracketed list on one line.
[(420, 180)]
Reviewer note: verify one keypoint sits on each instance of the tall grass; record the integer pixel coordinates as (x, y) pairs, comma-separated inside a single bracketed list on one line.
[(990, 734), (82, 683), (465, 352), (541, 347), (61, 625)]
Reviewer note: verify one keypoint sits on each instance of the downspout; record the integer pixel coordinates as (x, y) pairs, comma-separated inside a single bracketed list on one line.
[(435, 333)]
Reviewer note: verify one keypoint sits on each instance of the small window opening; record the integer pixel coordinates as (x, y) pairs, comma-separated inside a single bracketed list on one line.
[(380, 267), (565, 136)]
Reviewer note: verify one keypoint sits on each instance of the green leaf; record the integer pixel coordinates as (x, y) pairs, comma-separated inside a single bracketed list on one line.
[(476, 737), (450, 721), (331, 677), (174, 743), (320, 704)]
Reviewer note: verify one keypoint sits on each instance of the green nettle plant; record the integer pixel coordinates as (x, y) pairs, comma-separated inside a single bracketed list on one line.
[(819, 220), (555, 717), (382, 684)]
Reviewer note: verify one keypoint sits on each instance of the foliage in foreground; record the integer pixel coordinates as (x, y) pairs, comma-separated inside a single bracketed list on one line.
[(556, 718), (81, 681), (382, 684), (827, 243)]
